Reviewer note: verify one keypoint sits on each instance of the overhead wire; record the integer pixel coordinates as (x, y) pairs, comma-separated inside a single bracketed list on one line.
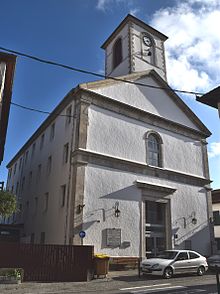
[(35, 58), (38, 110), (94, 73)]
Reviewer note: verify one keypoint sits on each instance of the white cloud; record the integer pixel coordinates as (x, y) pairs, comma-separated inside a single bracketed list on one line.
[(105, 4), (101, 5), (214, 149), (134, 11), (193, 47)]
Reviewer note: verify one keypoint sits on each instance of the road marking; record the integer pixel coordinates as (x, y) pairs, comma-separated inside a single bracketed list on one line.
[(152, 288), (158, 289), (133, 288)]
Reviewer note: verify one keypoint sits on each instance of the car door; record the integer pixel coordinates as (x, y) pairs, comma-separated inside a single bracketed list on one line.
[(195, 261), (181, 263)]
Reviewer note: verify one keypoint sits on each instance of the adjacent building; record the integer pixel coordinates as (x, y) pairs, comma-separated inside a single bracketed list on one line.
[(120, 163), (216, 216), (211, 98), (7, 68)]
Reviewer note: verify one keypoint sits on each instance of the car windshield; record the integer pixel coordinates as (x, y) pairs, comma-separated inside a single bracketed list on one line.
[(167, 254)]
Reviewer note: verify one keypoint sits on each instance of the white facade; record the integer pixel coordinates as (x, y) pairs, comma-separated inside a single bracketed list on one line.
[(136, 54), (126, 205), (32, 180)]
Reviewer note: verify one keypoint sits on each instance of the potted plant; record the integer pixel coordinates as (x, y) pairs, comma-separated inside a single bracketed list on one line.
[(11, 275)]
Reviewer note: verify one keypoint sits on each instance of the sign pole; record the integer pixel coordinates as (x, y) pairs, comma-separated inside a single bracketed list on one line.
[(217, 278), (82, 235)]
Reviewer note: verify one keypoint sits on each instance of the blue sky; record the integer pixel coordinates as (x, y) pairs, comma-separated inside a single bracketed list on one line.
[(72, 31)]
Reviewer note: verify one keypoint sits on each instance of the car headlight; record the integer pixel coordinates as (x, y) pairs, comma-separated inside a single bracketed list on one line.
[(156, 265)]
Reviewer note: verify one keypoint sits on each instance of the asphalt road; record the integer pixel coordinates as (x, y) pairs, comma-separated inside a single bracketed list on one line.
[(122, 282)]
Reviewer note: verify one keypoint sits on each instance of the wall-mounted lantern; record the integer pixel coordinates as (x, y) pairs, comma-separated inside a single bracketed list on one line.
[(117, 211), (194, 219), (80, 208), (187, 220)]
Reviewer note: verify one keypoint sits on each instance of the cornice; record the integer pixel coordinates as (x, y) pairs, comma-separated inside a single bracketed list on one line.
[(131, 18), (157, 188), (163, 85), (133, 112), (83, 156), (52, 117)]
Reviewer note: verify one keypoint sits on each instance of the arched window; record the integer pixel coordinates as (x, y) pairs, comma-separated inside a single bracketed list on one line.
[(154, 149), (117, 53)]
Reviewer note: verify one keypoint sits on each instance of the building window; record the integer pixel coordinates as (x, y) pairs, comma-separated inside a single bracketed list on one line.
[(117, 53), (9, 173), (52, 131), (65, 153), (16, 191), (27, 208), (22, 184), (32, 238), (38, 173), (35, 204), (63, 195), (218, 243), (49, 165), (26, 157), (12, 189), (46, 201), (216, 218), (154, 149), (68, 115), (15, 168), (20, 208), (41, 141), (13, 218), (33, 150), (20, 163), (30, 178), (42, 238)]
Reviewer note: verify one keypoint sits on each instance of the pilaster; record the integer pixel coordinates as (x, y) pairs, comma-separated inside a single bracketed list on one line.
[(78, 179)]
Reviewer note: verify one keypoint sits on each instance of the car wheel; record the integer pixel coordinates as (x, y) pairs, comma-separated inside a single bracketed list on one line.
[(201, 271), (168, 273)]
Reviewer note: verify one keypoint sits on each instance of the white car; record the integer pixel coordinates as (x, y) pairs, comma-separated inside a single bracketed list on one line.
[(172, 262)]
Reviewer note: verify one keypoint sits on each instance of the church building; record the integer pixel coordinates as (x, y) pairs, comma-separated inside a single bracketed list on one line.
[(121, 163)]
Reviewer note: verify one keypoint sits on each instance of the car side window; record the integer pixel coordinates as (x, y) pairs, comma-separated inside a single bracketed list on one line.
[(193, 255), (182, 256)]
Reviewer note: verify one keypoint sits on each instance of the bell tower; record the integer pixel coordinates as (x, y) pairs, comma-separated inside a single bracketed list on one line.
[(134, 46)]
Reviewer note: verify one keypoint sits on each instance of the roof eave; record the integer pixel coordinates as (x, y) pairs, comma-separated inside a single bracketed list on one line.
[(211, 98), (128, 18)]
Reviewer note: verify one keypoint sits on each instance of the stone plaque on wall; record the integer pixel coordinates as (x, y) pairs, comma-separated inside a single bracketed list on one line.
[(113, 237)]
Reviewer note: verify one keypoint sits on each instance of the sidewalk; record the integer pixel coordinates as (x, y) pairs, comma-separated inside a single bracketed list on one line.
[(114, 280)]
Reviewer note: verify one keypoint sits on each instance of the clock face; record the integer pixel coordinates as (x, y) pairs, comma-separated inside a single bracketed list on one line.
[(147, 41)]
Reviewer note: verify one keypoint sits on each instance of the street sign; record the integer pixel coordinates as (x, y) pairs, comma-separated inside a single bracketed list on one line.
[(82, 234)]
